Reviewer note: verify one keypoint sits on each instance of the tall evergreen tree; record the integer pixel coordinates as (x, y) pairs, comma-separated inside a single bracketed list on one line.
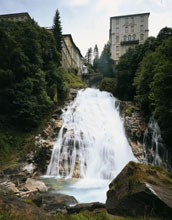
[(88, 56), (96, 58), (57, 31), (106, 63)]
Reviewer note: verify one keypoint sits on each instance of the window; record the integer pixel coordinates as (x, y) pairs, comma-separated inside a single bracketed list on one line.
[(125, 38), (117, 48), (117, 39), (141, 27), (132, 19), (117, 30), (117, 21), (117, 55), (126, 20), (132, 28), (141, 37), (126, 48), (126, 29), (134, 37), (142, 18), (129, 37)]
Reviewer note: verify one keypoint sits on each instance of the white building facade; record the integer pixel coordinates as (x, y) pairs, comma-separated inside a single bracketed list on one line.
[(126, 32)]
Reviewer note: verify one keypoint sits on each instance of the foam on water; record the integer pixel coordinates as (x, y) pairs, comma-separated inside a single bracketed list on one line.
[(92, 138)]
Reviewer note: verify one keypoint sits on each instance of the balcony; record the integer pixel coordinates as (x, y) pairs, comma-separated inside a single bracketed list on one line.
[(130, 42)]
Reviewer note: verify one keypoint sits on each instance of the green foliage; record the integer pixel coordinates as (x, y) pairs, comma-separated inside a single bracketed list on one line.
[(30, 78), (96, 59), (107, 84), (31, 83), (144, 74), (161, 88), (105, 62), (101, 215), (88, 56), (73, 81), (57, 31)]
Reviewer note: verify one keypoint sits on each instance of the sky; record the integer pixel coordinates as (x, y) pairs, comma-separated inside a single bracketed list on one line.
[(88, 21)]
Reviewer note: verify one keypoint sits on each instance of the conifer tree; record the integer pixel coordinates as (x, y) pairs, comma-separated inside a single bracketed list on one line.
[(96, 59), (57, 31)]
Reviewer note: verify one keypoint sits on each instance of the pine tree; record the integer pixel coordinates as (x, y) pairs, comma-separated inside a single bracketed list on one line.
[(88, 56), (96, 59), (57, 31)]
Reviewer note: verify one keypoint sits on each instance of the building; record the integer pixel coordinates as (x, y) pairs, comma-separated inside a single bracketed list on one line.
[(71, 55), (15, 17), (126, 32)]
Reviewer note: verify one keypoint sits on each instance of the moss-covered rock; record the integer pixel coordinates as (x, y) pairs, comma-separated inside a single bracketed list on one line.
[(13, 208), (141, 190)]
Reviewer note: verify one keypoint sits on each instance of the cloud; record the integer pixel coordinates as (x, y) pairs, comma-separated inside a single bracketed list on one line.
[(77, 2)]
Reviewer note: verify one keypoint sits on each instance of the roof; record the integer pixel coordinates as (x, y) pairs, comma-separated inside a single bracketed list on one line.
[(70, 36), (121, 16), (16, 15)]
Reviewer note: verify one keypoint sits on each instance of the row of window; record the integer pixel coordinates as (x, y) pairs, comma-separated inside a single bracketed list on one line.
[(129, 19), (13, 19), (129, 37), (132, 29)]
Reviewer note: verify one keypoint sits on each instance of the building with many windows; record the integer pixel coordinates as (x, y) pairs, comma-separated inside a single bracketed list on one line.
[(71, 55), (126, 32), (15, 17)]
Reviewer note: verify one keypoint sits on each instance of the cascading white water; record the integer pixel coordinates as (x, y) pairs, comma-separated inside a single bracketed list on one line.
[(156, 152), (92, 142)]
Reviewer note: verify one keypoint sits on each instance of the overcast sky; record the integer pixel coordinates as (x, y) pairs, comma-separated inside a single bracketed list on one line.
[(89, 20)]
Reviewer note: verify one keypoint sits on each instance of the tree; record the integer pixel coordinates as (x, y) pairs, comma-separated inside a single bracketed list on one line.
[(106, 63), (57, 31), (96, 58), (161, 89), (88, 56)]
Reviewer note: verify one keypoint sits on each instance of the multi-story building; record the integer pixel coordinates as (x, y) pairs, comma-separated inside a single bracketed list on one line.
[(126, 32), (71, 55), (15, 17)]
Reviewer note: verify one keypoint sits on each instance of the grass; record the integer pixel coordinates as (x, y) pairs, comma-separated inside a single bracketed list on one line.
[(103, 215), (73, 81)]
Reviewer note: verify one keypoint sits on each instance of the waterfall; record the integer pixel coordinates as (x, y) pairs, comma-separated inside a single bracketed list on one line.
[(91, 143), (156, 152)]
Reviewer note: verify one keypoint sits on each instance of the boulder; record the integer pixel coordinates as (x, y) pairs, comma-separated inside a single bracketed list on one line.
[(10, 186), (30, 168), (32, 184), (141, 190), (85, 206), (52, 203), (12, 207)]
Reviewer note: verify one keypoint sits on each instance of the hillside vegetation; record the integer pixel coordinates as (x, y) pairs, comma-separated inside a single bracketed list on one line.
[(144, 75), (32, 83)]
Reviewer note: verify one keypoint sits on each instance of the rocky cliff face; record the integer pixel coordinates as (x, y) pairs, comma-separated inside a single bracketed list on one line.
[(46, 139), (135, 126), (141, 190), (144, 136)]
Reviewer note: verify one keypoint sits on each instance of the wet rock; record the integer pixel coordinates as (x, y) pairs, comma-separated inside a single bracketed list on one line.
[(135, 126), (52, 203), (85, 206), (32, 184), (141, 190), (29, 168)]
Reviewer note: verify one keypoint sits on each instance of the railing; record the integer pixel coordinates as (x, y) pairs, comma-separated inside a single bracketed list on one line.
[(129, 42)]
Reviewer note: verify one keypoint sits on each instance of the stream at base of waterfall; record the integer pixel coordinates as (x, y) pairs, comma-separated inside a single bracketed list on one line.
[(91, 148)]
